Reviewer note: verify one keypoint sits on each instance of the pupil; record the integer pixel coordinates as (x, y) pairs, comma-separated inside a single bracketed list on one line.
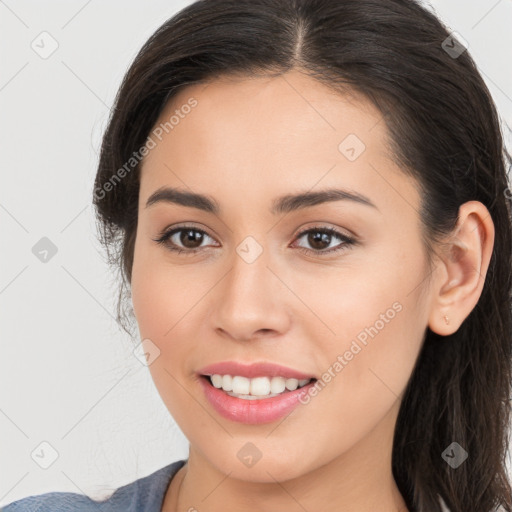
[(189, 237), (323, 238)]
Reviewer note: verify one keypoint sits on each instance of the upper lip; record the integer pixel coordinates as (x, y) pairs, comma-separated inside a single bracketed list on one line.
[(262, 369)]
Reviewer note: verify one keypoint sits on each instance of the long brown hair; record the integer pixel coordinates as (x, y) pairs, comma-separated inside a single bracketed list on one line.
[(445, 132)]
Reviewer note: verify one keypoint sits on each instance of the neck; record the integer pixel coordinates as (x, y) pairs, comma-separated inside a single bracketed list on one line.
[(360, 479)]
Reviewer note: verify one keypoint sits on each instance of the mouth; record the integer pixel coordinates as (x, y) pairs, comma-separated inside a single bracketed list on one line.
[(256, 388), (253, 394)]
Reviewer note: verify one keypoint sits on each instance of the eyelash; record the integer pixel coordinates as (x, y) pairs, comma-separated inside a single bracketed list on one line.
[(348, 241)]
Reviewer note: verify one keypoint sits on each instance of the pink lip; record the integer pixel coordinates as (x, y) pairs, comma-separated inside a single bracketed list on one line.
[(253, 370), (265, 410)]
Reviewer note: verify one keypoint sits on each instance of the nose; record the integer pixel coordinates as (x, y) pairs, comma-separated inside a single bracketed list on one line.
[(252, 302)]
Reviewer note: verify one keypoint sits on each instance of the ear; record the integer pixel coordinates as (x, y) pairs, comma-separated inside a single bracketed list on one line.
[(460, 273)]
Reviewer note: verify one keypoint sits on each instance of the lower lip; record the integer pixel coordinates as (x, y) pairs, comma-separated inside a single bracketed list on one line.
[(264, 410)]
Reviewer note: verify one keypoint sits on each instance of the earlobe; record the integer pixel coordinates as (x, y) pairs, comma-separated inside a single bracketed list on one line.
[(463, 263)]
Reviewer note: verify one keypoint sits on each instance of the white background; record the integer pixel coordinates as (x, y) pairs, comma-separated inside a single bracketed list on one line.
[(68, 375)]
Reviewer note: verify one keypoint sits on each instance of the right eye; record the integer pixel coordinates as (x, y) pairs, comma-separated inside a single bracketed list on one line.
[(187, 235)]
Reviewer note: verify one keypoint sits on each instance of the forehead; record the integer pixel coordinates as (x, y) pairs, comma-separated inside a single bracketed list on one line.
[(254, 134), (270, 112)]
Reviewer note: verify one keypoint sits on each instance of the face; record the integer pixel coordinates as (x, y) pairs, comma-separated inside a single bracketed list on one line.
[(331, 290)]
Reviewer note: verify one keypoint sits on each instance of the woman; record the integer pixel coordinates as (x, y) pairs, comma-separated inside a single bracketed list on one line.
[(309, 205)]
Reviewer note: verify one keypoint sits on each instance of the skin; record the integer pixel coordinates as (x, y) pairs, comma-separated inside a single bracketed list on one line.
[(247, 142)]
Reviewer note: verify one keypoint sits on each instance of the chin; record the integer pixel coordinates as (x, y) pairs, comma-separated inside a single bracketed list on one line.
[(281, 465)]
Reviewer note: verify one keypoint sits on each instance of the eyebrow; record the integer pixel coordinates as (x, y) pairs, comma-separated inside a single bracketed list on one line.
[(283, 204)]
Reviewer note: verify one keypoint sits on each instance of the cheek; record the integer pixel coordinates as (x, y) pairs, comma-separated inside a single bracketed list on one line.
[(369, 325), (167, 301), (160, 311), (155, 289)]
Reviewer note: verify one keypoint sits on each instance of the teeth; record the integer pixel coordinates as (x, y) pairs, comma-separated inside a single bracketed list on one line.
[(292, 384), (277, 385), (217, 380), (241, 385), (227, 382), (260, 386), (251, 389)]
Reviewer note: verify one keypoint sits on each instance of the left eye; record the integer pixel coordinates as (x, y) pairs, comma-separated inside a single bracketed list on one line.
[(320, 237), (323, 235)]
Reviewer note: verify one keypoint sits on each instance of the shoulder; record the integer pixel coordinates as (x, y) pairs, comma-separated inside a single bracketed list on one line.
[(58, 501), (143, 495)]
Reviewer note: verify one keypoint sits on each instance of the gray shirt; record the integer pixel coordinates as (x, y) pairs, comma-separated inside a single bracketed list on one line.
[(144, 495)]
